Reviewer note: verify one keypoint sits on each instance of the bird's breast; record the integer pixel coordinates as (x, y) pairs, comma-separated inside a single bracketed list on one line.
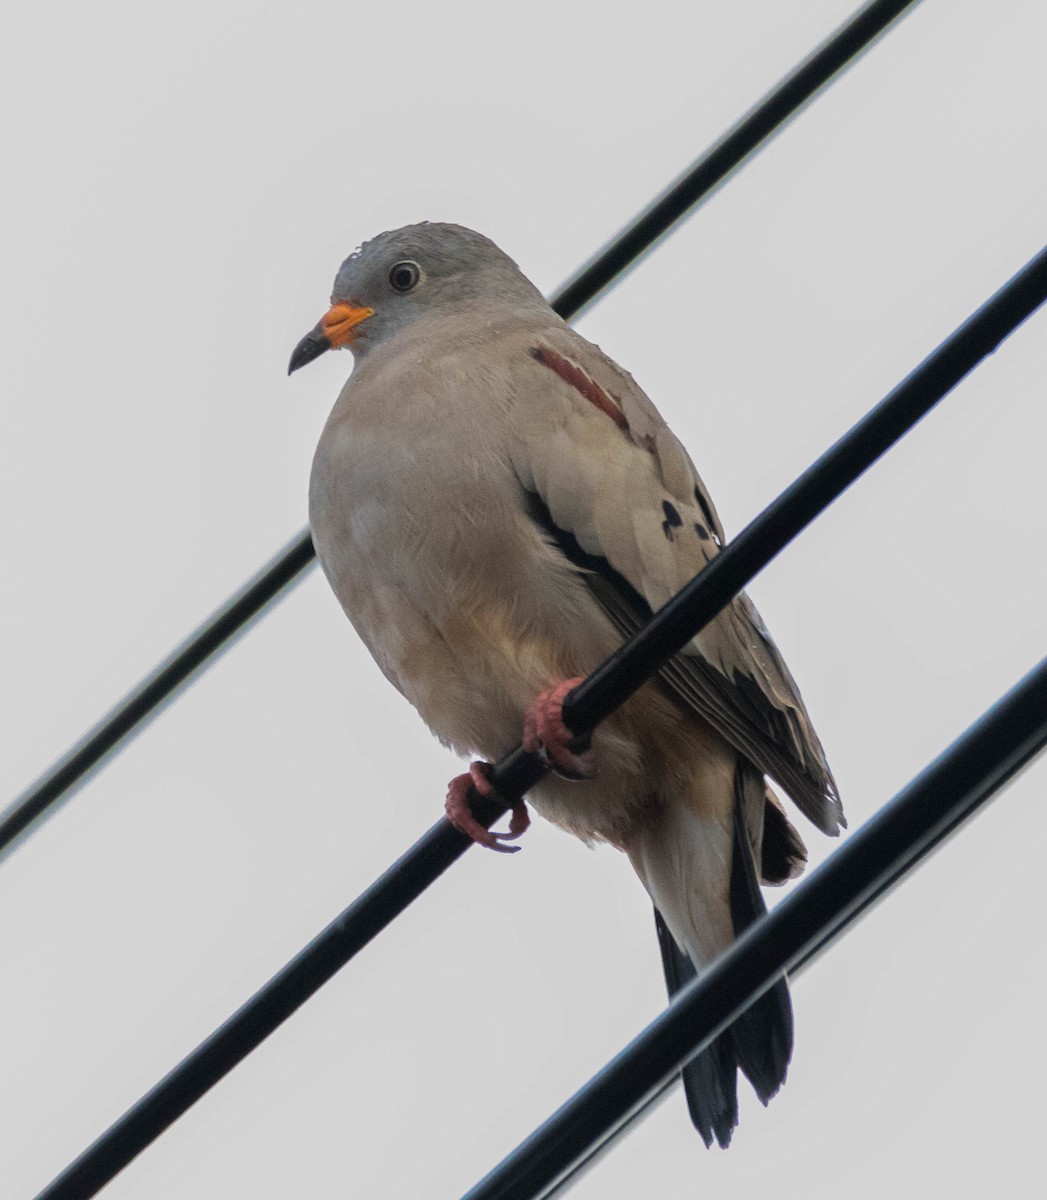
[(395, 506), (416, 522)]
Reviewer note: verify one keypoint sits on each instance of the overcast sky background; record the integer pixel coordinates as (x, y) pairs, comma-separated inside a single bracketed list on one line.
[(181, 185)]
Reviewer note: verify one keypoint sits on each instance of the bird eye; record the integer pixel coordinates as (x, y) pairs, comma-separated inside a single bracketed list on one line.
[(405, 276)]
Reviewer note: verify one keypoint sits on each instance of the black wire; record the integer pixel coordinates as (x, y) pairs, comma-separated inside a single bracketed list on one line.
[(685, 615), (717, 163), (146, 700), (218, 631), (808, 496), (871, 861), (817, 945)]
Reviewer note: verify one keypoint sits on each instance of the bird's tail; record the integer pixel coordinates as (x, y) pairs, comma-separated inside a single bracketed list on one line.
[(688, 847)]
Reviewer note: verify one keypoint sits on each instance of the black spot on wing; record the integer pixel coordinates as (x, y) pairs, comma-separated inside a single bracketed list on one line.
[(701, 531), (672, 521), (710, 520)]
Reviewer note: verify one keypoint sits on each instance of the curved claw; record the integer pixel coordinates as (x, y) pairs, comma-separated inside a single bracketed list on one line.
[(460, 814)]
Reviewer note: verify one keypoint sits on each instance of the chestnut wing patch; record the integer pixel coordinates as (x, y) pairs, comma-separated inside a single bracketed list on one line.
[(572, 374)]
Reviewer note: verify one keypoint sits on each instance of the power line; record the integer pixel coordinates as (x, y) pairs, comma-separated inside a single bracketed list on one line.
[(149, 697), (668, 631), (585, 1161), (745, 136), (287, 568), (860, 872)]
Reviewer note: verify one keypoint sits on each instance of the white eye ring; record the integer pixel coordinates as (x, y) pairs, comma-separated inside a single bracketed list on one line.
[(405, 276)]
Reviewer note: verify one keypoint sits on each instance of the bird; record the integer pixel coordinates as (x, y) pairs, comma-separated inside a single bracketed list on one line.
[(496, 504)]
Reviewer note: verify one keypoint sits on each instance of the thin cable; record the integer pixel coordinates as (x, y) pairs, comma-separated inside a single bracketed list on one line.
[(516, 772), (853, 878), (812, 953), (217, 632), (158, 688), (719, 162)]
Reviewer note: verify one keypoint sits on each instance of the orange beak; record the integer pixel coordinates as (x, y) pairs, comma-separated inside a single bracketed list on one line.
[(335, 330)]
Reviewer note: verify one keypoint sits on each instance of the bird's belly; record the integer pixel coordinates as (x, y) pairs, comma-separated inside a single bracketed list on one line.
[(450, 588), (471, 614)]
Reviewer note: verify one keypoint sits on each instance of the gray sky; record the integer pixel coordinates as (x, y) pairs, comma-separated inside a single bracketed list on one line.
[(182, 182)]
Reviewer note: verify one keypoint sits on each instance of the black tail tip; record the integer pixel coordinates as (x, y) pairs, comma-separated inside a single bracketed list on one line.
[(710, 1083)]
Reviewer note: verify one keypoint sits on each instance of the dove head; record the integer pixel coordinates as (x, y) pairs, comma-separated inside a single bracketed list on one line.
[(418, 272)]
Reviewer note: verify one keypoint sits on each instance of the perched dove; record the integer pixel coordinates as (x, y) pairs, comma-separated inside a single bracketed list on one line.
[(496, 503)]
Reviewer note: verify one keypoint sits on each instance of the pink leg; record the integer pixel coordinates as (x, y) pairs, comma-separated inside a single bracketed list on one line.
[(461, 815), (546, 735)]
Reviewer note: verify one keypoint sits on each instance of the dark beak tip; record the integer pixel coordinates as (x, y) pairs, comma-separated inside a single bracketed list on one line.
[(308, 349)]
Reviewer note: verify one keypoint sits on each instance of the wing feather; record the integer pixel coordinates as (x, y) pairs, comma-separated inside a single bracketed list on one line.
[(623, 501)]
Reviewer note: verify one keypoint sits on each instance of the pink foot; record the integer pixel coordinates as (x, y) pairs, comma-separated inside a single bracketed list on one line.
[(461, 815), (546, 735)]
